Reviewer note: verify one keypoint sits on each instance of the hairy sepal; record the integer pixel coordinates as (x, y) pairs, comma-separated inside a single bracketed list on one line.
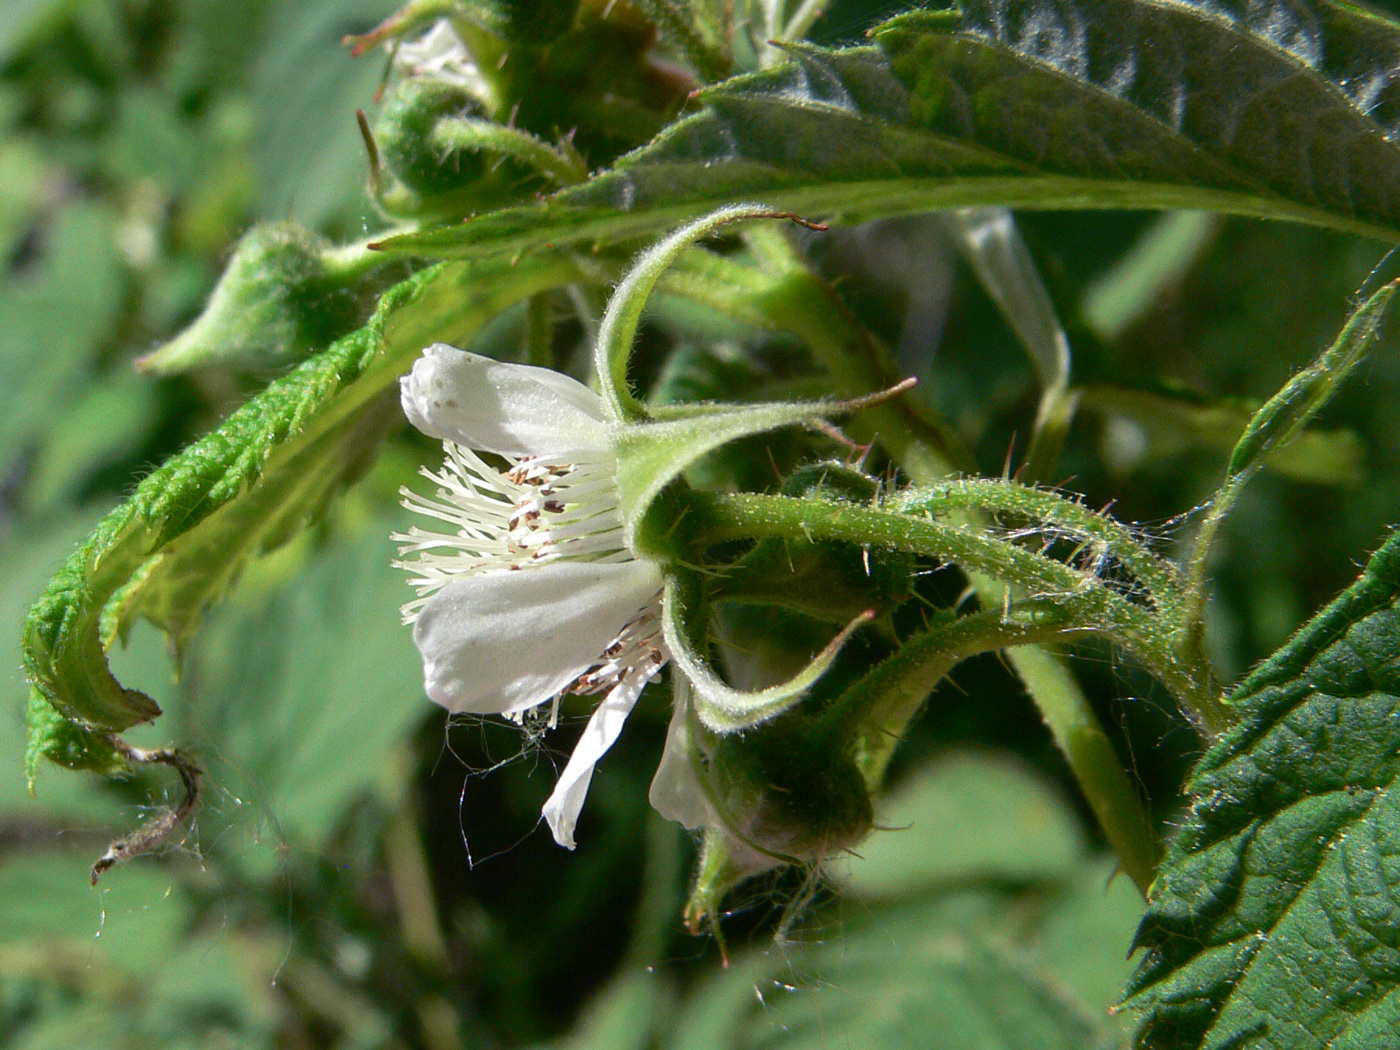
[(652, 455), (720, 707)]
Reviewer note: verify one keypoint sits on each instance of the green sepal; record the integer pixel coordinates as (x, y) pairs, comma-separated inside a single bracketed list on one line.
[(720, 707), (284, 294), (652, 455), (618, 330)]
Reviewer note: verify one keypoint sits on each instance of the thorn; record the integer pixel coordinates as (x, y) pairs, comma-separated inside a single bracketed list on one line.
[(358, 45), (376, 175), (859, 403)]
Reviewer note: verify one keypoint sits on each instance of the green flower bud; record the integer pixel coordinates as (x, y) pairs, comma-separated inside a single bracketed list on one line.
[(790, 789), (283, 294), (443, 159)]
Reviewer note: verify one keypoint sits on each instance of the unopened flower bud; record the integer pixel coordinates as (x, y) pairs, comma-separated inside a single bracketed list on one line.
[(439, 157), (280, 297), (791, 789)]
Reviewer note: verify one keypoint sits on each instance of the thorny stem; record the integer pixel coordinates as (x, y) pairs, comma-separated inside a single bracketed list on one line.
[(797, 301), (1097, 607), (881, 706)]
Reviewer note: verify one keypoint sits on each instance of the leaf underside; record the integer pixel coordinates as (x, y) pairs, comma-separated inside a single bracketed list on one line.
[(1275, 921), (1274, 110), (191, 526)]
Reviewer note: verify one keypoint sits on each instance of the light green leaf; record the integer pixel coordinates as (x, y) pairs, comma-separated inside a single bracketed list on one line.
[(24, 21), (1285, 113), (1119, 298), (1143, 426), (25, 177), (305, 690), (938, 830), (191, 526), (135, 923), (310, 156), (47, 346), (89, 432), (1272, 923), (117, 967)]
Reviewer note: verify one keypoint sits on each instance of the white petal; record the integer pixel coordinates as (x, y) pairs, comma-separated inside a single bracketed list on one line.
[(503, 642), (675, 790), (562, 807), (494, 406), (677, 794)]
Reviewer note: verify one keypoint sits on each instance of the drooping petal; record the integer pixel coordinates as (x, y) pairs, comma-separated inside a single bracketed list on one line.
[(563, 806), (494, 406), (676, 792), (502, 642)]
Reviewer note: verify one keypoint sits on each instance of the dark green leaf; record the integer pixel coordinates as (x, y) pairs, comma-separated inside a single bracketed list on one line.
[(1273, 922), (1285, 112)]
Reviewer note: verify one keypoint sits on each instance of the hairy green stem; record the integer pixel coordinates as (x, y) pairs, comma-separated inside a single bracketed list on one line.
[(993, 564), (882, 705), (797, 301)]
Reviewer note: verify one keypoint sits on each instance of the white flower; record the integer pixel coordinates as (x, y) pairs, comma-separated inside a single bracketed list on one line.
[(439, 53), (533, 591)]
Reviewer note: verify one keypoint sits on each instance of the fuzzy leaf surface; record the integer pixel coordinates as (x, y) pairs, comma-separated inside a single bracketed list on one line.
[(1275, 921), (1281, 110)]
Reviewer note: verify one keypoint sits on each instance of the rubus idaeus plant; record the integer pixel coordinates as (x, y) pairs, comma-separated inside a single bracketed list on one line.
[(725, 467)]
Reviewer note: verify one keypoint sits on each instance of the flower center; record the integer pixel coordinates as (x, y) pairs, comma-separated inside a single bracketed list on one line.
[(529, 512)]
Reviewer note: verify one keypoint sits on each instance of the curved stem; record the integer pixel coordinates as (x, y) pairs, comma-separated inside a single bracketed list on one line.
[(786, 296), (882, 705)]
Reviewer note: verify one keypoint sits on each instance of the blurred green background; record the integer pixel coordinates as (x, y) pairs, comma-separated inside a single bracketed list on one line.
[(355, 877)]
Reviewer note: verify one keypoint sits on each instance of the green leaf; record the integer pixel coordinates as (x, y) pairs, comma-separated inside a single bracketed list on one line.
[(47, 348), (118, 967), (309, 153), (939, 824), (1272, 923), (304, 692), (1142, 426), (1282, 113), (191, 526), (136, 923), (22, 22)]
